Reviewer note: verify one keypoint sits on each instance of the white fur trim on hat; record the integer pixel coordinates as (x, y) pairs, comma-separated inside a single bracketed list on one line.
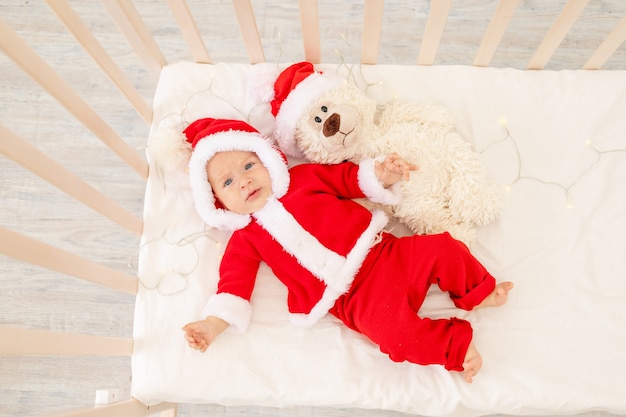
[(296, 104), (232, 140)]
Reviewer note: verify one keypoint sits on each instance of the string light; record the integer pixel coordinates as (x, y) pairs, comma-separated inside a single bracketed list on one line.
[(519, 177), (162, 275)]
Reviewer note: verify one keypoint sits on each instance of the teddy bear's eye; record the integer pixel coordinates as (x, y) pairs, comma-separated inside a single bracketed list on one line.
[(324, 109), (318, 119)]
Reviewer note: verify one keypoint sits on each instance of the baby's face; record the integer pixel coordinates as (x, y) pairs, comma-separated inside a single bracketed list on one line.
[(239, 180)]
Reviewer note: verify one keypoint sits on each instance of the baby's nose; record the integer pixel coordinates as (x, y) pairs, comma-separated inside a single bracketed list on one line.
[(245, 181)]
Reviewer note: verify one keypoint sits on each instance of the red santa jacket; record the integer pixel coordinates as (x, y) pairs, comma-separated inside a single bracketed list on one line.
[(314, 239)]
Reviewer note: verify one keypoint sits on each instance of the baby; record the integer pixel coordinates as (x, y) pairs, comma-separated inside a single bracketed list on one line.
[(329, 251)]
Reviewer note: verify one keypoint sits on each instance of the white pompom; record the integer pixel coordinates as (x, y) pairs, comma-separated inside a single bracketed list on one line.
[(260, 82), (168, 149)]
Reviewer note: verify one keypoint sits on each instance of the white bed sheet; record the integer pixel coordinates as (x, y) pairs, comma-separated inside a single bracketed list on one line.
[(556, 141)]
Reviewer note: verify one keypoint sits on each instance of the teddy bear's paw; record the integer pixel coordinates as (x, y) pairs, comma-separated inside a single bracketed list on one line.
[(488, 215), (415, 225), (473, 200), (488, 207)]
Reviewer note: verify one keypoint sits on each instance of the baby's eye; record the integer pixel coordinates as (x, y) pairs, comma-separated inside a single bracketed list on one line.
[(318, 119), (228, 182), (324, 109), (249, 165)]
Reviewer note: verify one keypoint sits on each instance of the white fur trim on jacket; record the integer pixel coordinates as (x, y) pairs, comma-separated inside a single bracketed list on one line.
[(232, 140), (318, 311), (230, 308), (296, 104), (372, 188), (336, 271)]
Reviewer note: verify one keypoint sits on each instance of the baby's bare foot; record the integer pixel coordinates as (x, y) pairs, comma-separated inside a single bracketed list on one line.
[(472, 363), (498, 297)]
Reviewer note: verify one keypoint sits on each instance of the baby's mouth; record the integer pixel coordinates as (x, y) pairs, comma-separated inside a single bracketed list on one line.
[(252, 195)]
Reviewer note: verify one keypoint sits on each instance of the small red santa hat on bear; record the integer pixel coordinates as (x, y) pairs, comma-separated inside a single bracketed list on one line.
[(295, 90), (209, 136)]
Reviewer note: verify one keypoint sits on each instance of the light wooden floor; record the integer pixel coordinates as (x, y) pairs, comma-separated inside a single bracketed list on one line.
[(40, 299)]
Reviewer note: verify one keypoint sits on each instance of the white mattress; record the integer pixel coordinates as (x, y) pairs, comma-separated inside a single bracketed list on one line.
[(557, 347)]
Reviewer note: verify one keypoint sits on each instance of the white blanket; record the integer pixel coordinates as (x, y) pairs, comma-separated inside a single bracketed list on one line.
[(556, 141)]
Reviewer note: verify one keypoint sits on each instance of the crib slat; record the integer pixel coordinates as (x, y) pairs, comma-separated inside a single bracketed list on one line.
[(41, 72), (19, 341), (567, 18), (608, 46), (82, 33), (23, 248), (249, 30), (495, 31), (189, 29), (437, 17), (310, 23), (37, 162), (372, 24), (129, 408), (133, 27)]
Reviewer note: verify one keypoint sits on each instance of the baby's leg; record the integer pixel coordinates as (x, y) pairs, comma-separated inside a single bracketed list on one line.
[(456, 271), (472, 363), (384, 298), (498, 297)]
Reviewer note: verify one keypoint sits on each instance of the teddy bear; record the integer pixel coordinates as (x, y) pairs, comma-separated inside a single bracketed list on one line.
[(325, 119)]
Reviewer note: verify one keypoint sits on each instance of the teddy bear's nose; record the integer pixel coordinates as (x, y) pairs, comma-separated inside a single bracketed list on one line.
[(331, 125)]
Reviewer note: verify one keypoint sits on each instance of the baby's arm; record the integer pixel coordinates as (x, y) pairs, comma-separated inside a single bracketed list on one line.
[(393, 169), (200, 334)]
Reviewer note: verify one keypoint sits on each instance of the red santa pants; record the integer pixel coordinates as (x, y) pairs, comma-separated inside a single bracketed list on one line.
[(390, 287)]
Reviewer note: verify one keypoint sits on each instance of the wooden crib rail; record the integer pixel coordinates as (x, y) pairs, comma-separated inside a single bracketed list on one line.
[(129, 408), (436, 23), (41, 72), (372, 20), (557, 33), (608, 47), (495, 32), (190, 31), (435, 26), (82, 34), (26, 249), (17, 341), (37, 162), (433, 31), (132, 25)]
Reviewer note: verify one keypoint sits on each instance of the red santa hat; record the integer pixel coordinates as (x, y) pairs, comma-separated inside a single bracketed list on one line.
[(295, 90), (210, 136)]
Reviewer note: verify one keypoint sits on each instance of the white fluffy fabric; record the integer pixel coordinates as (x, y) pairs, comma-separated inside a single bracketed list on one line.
[(553, 141)]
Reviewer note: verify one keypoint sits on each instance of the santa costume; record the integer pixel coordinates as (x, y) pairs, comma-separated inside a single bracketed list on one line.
[(332, 253)]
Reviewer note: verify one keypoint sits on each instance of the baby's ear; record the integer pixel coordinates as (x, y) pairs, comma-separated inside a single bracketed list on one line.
[(218, 203)]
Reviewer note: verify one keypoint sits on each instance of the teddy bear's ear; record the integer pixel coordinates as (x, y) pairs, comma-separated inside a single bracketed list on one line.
[(260, 82)]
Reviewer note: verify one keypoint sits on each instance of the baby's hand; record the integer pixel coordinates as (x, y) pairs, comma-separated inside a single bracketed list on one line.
[(393, 169), (200, 334)]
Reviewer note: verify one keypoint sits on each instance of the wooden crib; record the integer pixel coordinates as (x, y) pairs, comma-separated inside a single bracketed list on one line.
[(70, 258)]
